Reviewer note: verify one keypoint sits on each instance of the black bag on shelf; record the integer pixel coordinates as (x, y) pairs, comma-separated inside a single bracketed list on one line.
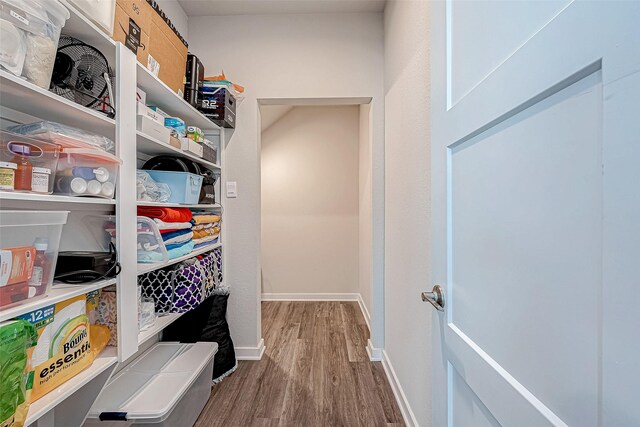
[(208, 322)]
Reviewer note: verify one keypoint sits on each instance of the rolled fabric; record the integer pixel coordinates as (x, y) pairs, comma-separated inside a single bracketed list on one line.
[(180, 238), (180, 250), (199, 234), (171, 247), (166, 214), (176, 233), (167, 227), (201, 219)]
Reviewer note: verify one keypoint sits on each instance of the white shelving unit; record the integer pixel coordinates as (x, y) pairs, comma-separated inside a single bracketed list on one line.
[(53, 198), (152, 147), (161, 323), (59, 292), (107, 359), (145, 268), (177, 205), (21, 101), (21, 95)]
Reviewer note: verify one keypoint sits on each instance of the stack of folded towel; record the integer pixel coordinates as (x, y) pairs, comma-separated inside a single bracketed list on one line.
[(175, 226), (206, 229)]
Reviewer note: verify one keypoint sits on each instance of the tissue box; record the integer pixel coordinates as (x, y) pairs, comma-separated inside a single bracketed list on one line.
[(149, 127), (145, 111), (158, 110)]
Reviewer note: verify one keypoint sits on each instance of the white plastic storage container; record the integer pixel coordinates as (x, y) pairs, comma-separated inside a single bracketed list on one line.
[(168, 386), (84, 172), (29, 242), (30, 31), (101, 12), (185, 186)]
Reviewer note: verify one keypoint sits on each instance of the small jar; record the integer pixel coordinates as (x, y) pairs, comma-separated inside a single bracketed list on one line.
[(40, 180), (7, 176)]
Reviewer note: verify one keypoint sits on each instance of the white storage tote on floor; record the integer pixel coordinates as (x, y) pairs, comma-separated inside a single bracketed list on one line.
[(168, 386), (185, 186), (29, 242)]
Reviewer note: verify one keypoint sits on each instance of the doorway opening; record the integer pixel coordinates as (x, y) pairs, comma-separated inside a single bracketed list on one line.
[(316, 202)]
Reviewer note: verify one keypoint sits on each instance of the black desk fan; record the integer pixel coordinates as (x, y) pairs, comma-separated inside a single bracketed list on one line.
[(82, 74)]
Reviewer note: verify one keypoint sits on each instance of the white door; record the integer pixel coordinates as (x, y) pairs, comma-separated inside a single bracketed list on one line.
[(536, 213)]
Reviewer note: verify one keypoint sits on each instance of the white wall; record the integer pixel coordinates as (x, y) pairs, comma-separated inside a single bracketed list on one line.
[(365, 225), (177, 16), (287, 56), (310, 201), (407, 212)]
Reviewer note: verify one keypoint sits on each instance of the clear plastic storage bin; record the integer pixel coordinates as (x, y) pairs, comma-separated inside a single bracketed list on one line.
[(65, 136), (27, 165), (168, 386), (30, 31), (84, 172), (185, 186), (151, 249), (29, 242)]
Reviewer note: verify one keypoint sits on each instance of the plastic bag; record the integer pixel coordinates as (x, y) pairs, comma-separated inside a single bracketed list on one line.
[(16, 337), (149, 190), (147, 315)]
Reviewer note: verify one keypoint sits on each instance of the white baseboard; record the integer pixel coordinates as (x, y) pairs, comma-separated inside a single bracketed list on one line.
[(401, 398), (365, 312), (375, 354), (250, 353), (309, 297)]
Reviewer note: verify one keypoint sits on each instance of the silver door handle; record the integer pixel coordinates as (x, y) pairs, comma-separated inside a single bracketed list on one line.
[(435, 297)]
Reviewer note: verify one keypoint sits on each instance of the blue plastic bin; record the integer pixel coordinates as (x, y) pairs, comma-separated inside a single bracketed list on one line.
[(185, 186)]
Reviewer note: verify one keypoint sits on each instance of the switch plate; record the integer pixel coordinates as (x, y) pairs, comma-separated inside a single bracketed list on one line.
[(232, 189)]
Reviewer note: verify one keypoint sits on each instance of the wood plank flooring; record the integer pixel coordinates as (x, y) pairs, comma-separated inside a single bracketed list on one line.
[(315, 372)]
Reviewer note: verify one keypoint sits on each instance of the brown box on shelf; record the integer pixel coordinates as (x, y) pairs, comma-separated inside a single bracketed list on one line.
[(174, 141), (209, 151), (145, 31)]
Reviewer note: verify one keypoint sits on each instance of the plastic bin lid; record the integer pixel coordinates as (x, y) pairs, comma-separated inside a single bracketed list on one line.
[(32, 218), (96, 155), (141, 389)]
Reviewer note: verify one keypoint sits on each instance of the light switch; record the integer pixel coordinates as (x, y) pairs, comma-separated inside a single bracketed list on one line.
[(232, 189)]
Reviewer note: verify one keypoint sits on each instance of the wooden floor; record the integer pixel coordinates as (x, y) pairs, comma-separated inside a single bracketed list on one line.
[(315, 372)]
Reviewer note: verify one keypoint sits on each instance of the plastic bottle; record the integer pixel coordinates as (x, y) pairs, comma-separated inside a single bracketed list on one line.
[(25, 169), (41, 269)]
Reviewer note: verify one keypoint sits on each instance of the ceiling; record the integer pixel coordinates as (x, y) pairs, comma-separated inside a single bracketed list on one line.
[(278, 7), (269, 114)]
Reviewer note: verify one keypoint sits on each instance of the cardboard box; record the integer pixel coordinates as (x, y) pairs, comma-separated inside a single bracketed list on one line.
[(149, 127), (142, 29), (174, 141), (158, 110), (143, 110)]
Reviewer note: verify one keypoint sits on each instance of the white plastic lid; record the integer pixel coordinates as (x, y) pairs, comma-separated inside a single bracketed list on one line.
[(78, 185), (32, 218), (8, 165), (140, 390), (95, 155)]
